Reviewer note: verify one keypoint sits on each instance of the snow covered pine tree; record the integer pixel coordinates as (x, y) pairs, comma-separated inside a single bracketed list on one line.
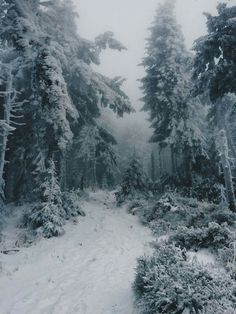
[(215, 69), (134, 182), (166, 90), (62, 90)]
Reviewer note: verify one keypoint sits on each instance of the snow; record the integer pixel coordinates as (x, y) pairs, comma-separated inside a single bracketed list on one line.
[(89, 270), (203, 256)]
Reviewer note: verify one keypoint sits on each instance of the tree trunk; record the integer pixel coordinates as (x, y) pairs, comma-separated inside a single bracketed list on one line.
[(173, 161), (227, 171), (224, 151), (82, 183), (94, 170), (7, 106), (63, 171), (153, 168), (160, 162)]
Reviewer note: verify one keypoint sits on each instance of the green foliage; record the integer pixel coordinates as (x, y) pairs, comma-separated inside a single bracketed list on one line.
[(167, 283)]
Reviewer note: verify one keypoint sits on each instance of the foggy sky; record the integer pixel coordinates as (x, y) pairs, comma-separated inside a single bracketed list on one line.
[(129, 20)]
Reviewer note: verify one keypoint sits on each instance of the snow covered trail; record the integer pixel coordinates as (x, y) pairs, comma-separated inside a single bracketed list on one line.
[(89, 270)]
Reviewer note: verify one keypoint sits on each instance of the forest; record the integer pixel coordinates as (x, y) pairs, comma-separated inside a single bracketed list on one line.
[(88, 200)]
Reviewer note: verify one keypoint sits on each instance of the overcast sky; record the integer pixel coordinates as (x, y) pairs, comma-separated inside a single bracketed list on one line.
[(129, 20)]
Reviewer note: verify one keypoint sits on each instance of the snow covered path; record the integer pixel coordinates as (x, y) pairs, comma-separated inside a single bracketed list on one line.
[(87, 271)]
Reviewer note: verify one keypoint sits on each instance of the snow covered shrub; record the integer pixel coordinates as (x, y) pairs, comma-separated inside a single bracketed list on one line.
[(173, 211), (134, 182), (203, 189), (213, 236), (136, 206), (223, 215), (167, 283), (227, 257), (71, 204), (167, 208), (48, 219), (48, 216), (160, 227)]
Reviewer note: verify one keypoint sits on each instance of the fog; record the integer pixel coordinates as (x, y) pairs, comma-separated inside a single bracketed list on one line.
[(130, 20)]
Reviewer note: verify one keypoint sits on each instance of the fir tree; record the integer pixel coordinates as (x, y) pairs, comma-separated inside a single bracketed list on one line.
[(107, 165), (48, 217), (62, 90), (134, 181), (153, 167), (215, 61), (94, 151), (87, 143), (166, 88), (215, 70)]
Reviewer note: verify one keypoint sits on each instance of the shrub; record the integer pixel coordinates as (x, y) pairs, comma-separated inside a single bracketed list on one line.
[(227, 258), (166, 205), (175, 211), (160, 227), (214, 236), (136, 205), (134, 182), (167, 283), (71, 205), (47, 219), (204, 189)]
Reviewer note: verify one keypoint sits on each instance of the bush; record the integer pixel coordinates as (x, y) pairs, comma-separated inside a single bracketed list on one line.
[(167, 283), (204, 189), (47, 219), (227, 258), (70, 203), (166, 205), (214, 236), (175, 211), (134, 183), (160, 227)]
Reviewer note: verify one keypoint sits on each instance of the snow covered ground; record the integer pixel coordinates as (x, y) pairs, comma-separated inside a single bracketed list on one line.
[(89, 270)]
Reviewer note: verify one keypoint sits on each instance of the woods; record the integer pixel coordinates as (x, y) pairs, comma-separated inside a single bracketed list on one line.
[(71, 135)]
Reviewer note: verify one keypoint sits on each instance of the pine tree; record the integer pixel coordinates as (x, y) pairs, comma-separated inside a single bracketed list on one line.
[(94, 151), (134, 181), (48, 217), (153, 167), (215, 70), (166, 88), (87, 148), (62, 90), (11, 108), (107, 164), (215, 61)]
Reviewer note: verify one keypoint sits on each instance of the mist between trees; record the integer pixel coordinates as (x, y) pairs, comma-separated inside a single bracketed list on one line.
[(54, 127)]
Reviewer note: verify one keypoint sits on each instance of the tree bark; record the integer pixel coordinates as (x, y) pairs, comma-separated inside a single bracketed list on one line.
[(224, 151), (227, 171), (153, 168), (6, 128)]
